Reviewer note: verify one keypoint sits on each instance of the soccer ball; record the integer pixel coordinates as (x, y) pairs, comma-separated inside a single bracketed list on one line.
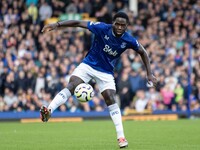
[(84, 92)]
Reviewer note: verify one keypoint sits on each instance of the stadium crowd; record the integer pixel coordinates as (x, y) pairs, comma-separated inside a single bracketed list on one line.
[(35, 66)]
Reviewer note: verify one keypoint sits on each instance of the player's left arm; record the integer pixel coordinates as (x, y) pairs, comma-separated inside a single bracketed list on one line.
[(145, 58)]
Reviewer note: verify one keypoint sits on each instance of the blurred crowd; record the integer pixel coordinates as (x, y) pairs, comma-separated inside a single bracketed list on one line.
[(34, 66)]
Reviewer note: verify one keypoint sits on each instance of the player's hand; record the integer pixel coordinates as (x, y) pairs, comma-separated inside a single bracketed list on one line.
[(152, 78), (49, 27)]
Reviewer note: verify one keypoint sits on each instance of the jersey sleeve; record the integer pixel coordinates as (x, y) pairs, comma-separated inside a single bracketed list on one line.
[(96, 27), (135, 44)]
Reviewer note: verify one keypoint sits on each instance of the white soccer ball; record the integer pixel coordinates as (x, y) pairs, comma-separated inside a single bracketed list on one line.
[(84, 92)]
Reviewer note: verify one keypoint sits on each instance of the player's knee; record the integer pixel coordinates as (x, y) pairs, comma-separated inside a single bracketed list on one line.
[(73, 82), (71, 87), (109, 97), (109, 102)]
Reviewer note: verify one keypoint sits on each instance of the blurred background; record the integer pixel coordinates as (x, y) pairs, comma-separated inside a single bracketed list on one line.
[(35, 66)]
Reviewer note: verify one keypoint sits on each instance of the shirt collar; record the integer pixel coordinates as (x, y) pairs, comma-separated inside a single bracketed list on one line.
[(115, 36)]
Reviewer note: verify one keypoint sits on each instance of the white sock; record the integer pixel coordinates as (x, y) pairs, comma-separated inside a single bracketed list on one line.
[(115, 114), (59, 99)]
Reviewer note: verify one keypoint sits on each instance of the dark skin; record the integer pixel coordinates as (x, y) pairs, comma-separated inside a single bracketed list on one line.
[(119, 27)]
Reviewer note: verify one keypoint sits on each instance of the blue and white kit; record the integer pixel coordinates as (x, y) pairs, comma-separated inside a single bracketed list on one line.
[(105, 50)]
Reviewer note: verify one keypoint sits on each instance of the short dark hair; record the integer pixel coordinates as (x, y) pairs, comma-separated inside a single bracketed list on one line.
[(121, 14)]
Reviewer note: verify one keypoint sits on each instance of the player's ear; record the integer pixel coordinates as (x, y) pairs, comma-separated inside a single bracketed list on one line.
[(128, 23)]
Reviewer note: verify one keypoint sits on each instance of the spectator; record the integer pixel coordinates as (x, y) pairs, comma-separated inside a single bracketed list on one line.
[(110, 6), (30, 81), (40, 84), (29, 2), (155, 98), (96, 6), (45, 11), (21, 81), (46, 98), (123, 86), (119, 6), (33, 12), (8, 17), (194, 105), (140, 102), (168, 30), (72, 105), (58, 7), (2, 104), (97, 104), (72, 8), (87, 6), (197, 91), (9, 98), (10, 82), (103, 15), (167, 95), (178, 93), (135, 82)]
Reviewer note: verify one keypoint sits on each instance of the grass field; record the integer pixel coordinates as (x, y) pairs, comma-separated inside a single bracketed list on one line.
[(100, 135)]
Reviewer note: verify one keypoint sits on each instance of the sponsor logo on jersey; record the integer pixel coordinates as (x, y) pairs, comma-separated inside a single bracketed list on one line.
[(109, 50)]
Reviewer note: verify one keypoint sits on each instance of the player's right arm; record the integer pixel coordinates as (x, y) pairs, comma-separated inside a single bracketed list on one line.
[(63, 24), (145, 58)]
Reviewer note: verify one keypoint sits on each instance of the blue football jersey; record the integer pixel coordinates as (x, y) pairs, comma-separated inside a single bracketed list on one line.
[(106, 47)]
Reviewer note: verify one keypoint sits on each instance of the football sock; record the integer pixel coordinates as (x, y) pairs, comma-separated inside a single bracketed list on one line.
[(115, 114), (59, 99)]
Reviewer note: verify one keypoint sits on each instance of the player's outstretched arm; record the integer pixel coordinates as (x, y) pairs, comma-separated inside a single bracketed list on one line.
[(67, 23), (145, 58)]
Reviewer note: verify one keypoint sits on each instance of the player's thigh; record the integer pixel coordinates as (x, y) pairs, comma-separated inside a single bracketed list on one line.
[(82, 71), (105, 81)]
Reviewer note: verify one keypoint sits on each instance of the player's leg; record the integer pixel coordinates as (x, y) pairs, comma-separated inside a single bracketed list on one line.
[(107, 88), (115, 113), (60, 98), (64, 94), (79, 76)]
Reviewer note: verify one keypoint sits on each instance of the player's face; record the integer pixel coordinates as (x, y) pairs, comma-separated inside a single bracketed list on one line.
[(119, 26)]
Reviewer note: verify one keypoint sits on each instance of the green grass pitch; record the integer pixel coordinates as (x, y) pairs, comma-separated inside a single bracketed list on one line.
[(100, 135)]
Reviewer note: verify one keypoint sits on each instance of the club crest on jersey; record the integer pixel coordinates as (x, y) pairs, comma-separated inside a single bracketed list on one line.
[(106, 37), (123, 45), (109, 50)]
